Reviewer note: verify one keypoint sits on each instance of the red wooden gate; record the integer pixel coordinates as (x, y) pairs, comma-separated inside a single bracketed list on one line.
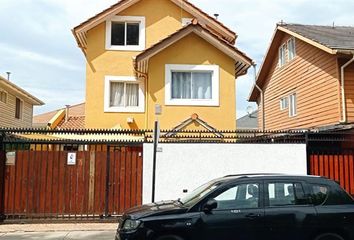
[(102, 183), (338, 167)]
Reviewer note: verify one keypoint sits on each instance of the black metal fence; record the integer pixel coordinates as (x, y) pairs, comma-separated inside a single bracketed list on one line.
[(37, 181)]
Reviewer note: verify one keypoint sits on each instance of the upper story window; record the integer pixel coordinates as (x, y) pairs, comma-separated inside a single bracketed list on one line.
[(123, 94), (282, 51), (18, 108), (291, 49), (3, 96), (192, 85), (125, 33), (292, 105), (287, 52), (284, 103)]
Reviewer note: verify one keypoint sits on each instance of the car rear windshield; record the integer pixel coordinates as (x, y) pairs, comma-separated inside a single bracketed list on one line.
[(330, 195)]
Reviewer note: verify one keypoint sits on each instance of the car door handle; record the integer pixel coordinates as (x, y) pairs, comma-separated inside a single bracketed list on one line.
[(252, 216)]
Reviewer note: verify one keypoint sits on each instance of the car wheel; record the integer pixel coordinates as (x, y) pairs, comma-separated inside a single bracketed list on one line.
[(169, 237), (329, 236)]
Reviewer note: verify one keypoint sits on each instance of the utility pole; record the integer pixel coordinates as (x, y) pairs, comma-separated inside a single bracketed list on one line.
[(156, 142)]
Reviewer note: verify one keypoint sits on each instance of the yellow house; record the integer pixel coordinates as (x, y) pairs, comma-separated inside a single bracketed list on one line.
[(169, 55)]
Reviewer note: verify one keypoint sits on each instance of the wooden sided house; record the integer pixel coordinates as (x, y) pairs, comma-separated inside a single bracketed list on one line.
[(164, 54), (307, 78), (16, 105)]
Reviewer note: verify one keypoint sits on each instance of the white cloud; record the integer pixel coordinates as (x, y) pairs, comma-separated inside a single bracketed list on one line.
[(27, 55)]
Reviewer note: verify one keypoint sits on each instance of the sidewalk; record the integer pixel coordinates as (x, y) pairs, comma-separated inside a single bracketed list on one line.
[(87, 231)]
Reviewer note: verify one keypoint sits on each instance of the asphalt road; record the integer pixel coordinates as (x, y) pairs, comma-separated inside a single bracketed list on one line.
[(69, 235)]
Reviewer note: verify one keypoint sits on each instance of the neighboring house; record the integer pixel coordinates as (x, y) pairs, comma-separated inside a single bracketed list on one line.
[(16, 105), (307, 78), (248, 122), (164, 54), (70, 117)]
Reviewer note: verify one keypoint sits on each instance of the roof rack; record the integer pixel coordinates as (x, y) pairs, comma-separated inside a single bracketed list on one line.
[(252, 174)]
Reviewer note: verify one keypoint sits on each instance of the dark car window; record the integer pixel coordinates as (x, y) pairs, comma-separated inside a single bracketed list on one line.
[(241, 196), (319, 194), (334, 195), (194, 197), (284, 194)]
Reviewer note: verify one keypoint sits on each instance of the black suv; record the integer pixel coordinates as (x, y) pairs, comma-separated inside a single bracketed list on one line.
[(247, 207)]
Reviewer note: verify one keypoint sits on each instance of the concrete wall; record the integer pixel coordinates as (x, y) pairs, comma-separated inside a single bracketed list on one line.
[(187, 166)]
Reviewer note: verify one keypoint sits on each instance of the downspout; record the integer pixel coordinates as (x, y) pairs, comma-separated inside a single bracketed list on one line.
[(262, 96), (145, 76), (342, 78)]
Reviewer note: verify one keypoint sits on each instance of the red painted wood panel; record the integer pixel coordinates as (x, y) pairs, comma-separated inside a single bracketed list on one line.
[(42, 185), (338, 167)]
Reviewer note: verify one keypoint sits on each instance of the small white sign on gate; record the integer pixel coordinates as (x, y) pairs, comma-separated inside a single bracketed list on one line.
[(10, 158), (71, 158)]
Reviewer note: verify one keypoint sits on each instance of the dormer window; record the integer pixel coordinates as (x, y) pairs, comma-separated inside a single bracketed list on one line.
[(125, 33)]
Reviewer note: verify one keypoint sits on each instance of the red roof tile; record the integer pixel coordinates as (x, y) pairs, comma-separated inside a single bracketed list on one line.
[(77, 122)]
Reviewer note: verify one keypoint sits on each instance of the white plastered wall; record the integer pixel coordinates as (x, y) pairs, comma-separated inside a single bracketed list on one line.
[(187, 166)]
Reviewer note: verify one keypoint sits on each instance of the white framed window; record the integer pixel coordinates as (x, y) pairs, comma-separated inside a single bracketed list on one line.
[(18, 108), (282, 51), (292, 105), (126, 33), (123, 94), (192, 85), (284, 103), (186, 21), (3, 96), (291, 49)]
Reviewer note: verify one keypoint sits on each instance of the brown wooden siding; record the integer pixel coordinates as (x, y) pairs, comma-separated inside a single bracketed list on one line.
[(7, 113), (349, 91), (313, 76)]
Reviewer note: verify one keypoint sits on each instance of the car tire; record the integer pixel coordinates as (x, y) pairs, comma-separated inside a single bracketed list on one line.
[(169, 237), (329, 236)]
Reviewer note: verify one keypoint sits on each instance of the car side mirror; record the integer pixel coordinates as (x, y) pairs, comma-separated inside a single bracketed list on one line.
[(210, 205)]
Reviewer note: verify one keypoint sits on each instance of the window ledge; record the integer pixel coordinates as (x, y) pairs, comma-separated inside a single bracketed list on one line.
[(124, 110), (125, 48), (192, 102)]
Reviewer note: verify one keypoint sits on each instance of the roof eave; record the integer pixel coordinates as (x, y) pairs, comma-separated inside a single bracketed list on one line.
[(32, 99), (226, 48), (307, 40)]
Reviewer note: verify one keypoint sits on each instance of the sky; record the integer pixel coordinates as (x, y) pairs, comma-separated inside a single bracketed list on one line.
[(38, 48)]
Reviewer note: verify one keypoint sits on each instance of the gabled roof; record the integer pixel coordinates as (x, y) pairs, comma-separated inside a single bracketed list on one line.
[(250, 121), (21, 93), (333, 40), (243, 62), (55, 117), (80, 31)]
